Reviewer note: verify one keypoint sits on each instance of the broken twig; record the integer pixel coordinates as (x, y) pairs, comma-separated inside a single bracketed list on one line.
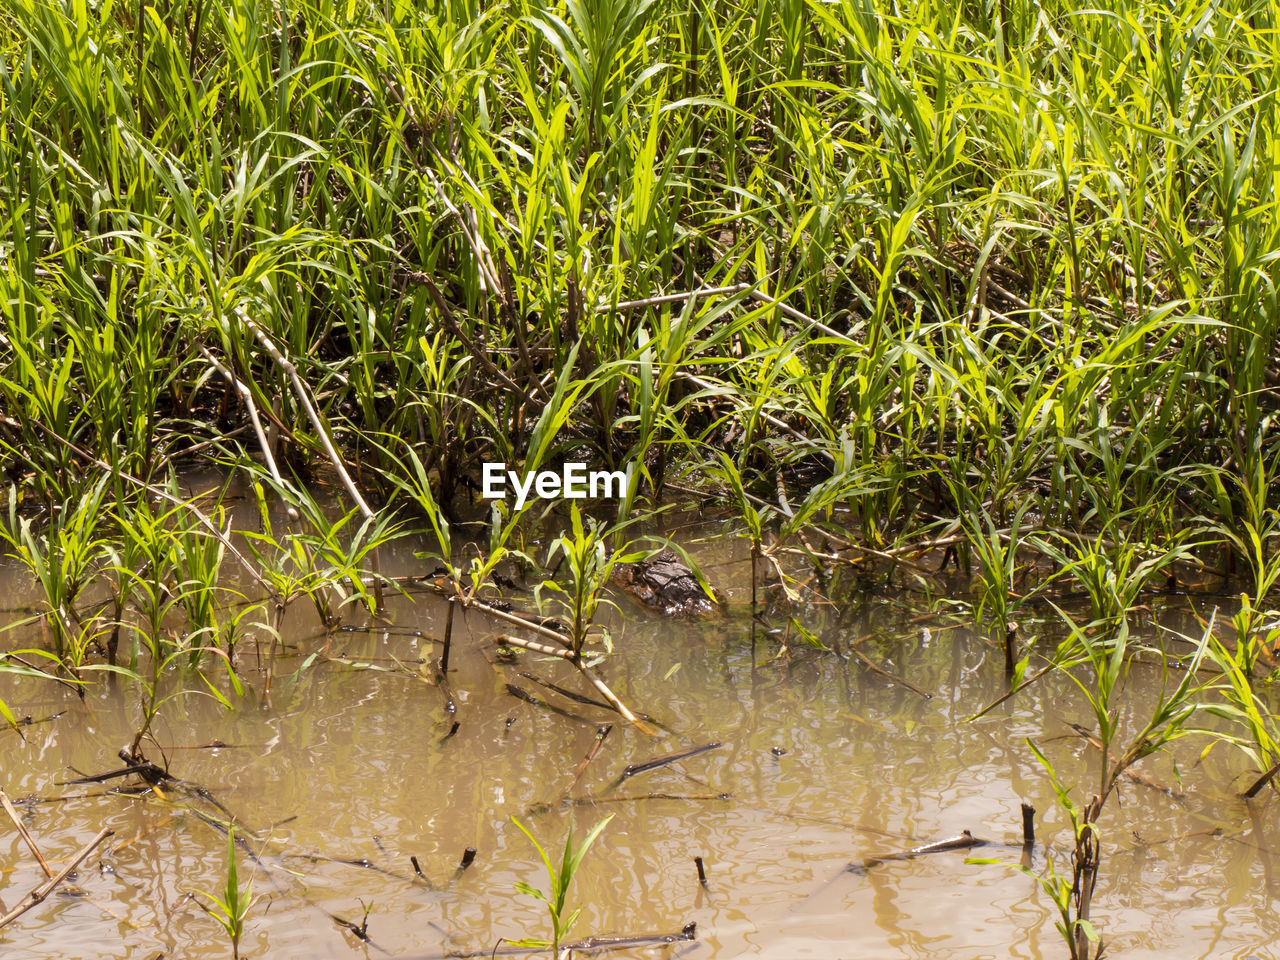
[(38, 895)]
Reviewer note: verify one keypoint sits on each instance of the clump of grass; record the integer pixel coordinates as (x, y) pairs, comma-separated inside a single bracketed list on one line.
[(560, 878), (231, 909), (1049, 288), (1105, 657)]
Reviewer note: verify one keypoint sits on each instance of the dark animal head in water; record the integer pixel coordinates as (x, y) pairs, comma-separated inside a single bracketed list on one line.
[(666, 583)]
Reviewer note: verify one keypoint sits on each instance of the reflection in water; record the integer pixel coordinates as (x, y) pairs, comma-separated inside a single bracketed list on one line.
[(354, 768)]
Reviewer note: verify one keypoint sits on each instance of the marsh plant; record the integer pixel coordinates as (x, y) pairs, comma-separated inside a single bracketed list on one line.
[(231, 908), (461, 584), (627, 235), (1099, 662), (754, 514), (559, 878), (164, 655), (996, 552), (587, 553), (625, 231), (62, 556), (1253, 727)]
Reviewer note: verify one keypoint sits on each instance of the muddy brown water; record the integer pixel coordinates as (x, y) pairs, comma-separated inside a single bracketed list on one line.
[(824, 764)]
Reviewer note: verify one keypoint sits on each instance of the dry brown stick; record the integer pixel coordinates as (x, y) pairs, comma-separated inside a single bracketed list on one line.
[(963, 841), (317, 423), (321, 429), (567, 694), (674, 297), (589, 945), (1085, 863), (37, 896), (64, 797), (795, 314), (401, 662), (521, 694), (247, 395), (1018, 689), (192, 450), (30, 666), (876, 668), (632, 797), (666, 760), (446, 312), (1028, 824), (1261, 782), (836, 558), (594, 799), (13, 814), (596, 744), (536, 647), (23, 832), (565, 653), (522, 622), (488, 275), (590, 675), (609, 695)]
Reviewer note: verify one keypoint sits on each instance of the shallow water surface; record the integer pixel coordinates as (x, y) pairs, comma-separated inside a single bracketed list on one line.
[(349, 770)]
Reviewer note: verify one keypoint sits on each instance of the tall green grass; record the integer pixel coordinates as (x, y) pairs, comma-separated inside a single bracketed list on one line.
[(976, 263), (1043, 234)]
